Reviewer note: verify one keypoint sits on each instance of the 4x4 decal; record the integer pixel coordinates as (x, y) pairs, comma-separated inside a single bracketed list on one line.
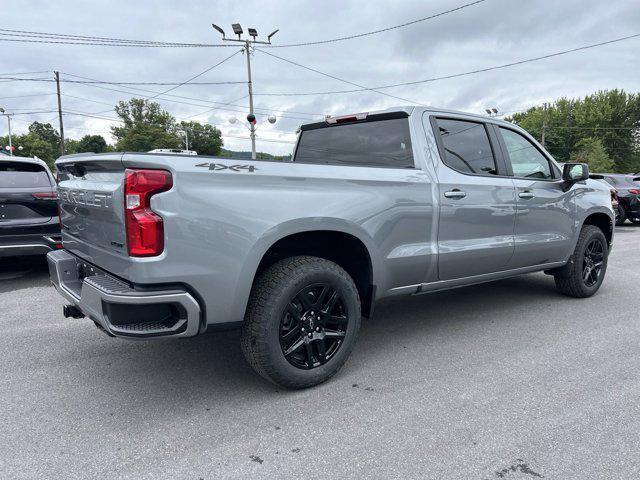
[(220, 166)]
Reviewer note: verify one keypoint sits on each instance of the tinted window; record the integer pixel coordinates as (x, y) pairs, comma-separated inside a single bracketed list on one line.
[(382, 143), (526, 159), (466, 147), (20, 175)]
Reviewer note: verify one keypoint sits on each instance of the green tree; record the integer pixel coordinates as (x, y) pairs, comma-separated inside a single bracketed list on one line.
[(92, 143), (612, 116), (145, 126), (203, 138), (42, 141), (592, 152)]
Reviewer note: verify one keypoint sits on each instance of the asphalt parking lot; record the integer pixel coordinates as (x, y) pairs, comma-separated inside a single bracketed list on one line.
[(507, 380)]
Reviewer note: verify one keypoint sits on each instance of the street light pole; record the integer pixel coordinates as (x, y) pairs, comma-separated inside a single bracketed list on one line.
[(8, 115), (252, 126), (10, 144), (186, 137), (237, 29)]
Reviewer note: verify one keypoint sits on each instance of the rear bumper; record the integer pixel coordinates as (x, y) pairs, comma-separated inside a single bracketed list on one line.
[(119, 309), (14, 245)]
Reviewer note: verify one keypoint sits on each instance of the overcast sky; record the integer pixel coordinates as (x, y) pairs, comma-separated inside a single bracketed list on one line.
[(490, 33)]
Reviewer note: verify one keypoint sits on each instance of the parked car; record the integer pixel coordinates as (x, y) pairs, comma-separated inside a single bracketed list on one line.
[(29, 223), (628, 193), (401, 202)]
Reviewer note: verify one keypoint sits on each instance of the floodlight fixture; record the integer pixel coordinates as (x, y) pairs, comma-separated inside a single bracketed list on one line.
[(271, 35), (494, 110), (488, 111), (252, 32), (237, 29), (219, 30)]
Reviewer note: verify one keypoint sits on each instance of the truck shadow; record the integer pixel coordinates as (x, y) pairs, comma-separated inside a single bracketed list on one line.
[(211, 369), (17, 273)]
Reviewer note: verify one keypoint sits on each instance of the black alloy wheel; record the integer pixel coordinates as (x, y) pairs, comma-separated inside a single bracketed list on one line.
[(593, 262), (313, 326)]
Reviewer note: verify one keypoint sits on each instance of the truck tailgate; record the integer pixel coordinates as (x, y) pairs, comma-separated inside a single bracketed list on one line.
[(91, 197)]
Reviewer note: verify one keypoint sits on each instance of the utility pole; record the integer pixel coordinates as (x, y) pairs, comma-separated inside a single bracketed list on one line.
[(237, 29), (544, 124), (8, 115), (57, 77)]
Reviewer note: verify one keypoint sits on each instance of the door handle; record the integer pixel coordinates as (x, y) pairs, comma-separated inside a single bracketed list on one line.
[(455, 193), (526, 194)]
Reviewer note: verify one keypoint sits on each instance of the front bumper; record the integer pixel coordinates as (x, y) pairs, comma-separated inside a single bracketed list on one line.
[(119, 309)]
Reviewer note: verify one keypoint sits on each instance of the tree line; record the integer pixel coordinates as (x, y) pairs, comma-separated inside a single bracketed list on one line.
[(144, 126), (602, 129)]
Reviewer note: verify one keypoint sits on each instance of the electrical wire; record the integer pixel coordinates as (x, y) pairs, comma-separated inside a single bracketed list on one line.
[(375, 32), (455, 75), (196, 76), (60, 38), (222, 107), (339, 79), (189, 98), (25, 96)]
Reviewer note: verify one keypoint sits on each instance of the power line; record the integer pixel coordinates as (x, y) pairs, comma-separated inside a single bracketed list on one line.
[(190, 98), (338, 78), (104, 82), (222, 107), (30, 95), (24, 73), (455, 75), (375, 32), (196, 76), (52, 39), (86, 99), (60, 38)]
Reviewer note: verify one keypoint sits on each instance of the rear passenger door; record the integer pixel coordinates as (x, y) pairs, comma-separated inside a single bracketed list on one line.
[(545, 217), (477, 199)]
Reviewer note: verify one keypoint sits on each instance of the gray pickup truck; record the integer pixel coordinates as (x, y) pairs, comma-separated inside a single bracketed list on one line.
[(399, 202)]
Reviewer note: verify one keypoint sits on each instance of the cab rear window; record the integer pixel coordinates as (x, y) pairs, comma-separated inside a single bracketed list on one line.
[(376, 143), (23, 175)]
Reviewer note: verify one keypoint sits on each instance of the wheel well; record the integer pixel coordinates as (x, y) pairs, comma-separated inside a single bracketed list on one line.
[(342, 248), (603, 222)]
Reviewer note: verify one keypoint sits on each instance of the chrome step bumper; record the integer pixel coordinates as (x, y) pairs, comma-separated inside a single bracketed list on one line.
[(119, 309)]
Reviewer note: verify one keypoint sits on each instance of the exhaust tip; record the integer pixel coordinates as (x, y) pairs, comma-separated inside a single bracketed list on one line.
[(71, 311)]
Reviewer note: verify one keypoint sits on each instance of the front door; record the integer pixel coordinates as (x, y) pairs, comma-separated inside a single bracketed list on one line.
[(545, 217), (477, 200)]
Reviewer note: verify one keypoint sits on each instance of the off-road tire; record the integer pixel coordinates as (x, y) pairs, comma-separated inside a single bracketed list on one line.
[(621, 216), (569, 279), (270, 295)]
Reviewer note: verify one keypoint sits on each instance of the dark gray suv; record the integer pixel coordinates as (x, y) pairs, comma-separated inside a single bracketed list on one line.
[(29, 223)]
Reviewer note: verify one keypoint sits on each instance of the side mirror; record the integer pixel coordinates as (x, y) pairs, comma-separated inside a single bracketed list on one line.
[(575, 172)]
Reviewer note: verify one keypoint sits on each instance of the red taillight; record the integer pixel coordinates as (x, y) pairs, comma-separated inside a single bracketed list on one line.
[(45, 195), (634, 191), (145, 230)]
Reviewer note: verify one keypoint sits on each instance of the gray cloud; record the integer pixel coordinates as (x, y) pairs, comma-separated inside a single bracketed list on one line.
[(491, 33)]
